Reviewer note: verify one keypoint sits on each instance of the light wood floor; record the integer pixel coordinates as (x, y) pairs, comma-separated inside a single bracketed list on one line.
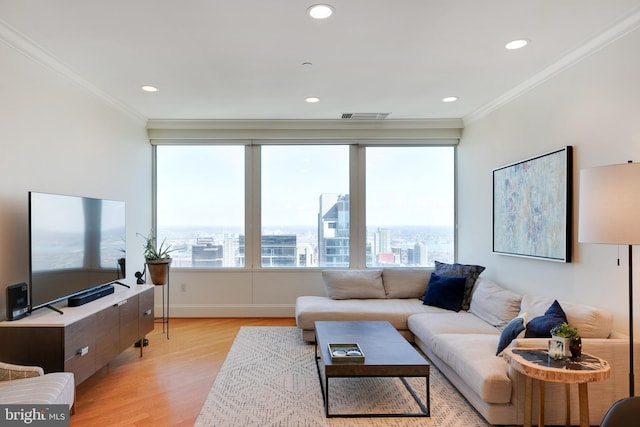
[(168, 385)]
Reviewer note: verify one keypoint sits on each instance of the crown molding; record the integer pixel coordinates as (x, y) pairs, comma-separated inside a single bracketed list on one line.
[(29, 48), (618, 30)]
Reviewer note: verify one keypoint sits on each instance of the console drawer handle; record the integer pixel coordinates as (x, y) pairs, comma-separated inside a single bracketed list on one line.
[(147, 312), (123, 302), (82, 351)]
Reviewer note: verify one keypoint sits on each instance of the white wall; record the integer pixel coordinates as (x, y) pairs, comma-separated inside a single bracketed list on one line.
[(593, 106), (242, 293), (60, 138)]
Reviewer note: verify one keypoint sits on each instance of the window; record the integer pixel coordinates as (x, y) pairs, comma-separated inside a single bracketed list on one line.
[(409, 206), (200, 204), (305, 205), (300, 195)]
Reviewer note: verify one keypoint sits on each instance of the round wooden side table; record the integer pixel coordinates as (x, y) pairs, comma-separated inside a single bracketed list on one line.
[(535, 363)]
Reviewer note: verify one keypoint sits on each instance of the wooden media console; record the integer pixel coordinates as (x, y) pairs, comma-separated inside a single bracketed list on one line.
[(84, 338)]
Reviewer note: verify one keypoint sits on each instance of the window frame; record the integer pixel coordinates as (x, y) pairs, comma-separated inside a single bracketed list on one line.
[(357, 187)]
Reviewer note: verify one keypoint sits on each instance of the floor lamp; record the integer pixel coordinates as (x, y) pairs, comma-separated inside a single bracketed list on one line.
[(609, 213)]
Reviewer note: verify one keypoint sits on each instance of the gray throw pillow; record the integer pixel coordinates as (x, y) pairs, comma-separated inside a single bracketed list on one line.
[(470, 272), (351, 284), (405, 282), (493, 303)]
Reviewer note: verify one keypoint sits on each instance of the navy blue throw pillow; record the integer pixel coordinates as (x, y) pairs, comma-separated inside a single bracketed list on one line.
[(540, 327), (445, 292), (469, 271), (509, 333)]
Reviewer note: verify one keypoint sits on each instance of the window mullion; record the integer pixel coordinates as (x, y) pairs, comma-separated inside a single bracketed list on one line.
[(357, 238), (253, 207)]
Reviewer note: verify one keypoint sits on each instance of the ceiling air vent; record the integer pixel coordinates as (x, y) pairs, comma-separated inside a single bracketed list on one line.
[(364, 116)]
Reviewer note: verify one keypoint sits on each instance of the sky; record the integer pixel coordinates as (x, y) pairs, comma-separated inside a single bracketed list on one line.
[(204, 185)]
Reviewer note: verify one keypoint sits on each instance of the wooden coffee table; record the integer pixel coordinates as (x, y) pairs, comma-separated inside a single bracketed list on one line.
[(536, 364), (387, 354)]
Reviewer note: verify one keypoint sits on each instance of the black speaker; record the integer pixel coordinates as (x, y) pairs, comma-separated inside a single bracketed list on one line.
[(17, 301)]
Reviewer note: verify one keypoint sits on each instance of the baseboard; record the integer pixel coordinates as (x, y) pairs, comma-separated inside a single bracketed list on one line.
[(228, 310)]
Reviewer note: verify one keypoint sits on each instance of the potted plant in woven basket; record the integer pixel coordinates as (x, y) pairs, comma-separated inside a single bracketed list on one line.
[(158, 259)]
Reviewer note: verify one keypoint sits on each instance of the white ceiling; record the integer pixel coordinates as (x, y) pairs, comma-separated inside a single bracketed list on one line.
[(242, 59)]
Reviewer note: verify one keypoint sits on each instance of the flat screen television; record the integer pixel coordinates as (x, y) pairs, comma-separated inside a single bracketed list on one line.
[(75, 244)]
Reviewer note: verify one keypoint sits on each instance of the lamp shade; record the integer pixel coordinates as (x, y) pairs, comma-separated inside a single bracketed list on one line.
[(609, 207)]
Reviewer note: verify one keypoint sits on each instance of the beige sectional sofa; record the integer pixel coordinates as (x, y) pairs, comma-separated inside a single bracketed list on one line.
[(399, 297), (463, 345)]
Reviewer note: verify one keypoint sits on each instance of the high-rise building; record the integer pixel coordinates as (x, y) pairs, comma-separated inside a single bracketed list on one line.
[(232, 251), (382, 251), (306, 255), (333, 230), (279, 250), (383, 241), (420, 254), (204, 253)]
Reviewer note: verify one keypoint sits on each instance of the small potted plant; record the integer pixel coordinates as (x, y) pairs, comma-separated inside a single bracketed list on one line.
[(571, 341), (158, 259)]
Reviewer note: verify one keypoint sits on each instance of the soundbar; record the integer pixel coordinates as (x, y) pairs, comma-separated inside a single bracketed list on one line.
[(91, 295)]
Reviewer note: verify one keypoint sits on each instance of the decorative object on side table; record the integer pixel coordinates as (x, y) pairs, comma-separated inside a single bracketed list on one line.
[(565, 342), (575, 347)]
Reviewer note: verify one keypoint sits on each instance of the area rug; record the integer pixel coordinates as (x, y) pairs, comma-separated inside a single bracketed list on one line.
[(269, 378)]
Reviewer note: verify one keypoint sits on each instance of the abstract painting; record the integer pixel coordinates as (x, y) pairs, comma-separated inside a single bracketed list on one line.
[(532, 207)]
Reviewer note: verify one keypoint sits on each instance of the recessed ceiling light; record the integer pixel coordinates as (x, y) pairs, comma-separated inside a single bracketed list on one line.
[(312, 99), (320, 11), (450, 99), (516, 44), (149, 88)]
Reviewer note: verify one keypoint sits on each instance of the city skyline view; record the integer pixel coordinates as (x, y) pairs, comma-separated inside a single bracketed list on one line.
[(202, 191), (438, 239)]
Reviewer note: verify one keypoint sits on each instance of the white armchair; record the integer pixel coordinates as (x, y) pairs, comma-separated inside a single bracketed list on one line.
[(30, 385), (9, 372)]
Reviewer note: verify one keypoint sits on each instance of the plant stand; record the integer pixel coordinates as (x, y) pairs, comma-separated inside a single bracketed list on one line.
[(165, 317), (165, 302)]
